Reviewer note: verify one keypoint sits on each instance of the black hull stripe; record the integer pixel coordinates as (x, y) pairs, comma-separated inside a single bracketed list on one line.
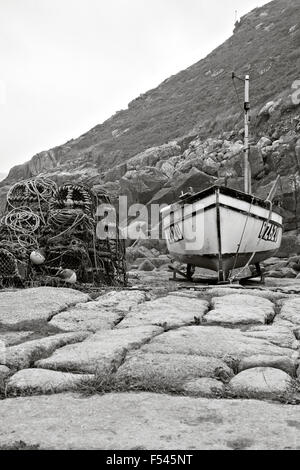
[(211, 206), (256, 201)]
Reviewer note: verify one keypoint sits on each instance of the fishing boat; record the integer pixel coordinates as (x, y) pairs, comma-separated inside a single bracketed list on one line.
[(223, 229)]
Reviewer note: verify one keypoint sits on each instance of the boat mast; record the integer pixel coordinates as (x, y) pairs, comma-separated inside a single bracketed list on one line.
[(247, 169)]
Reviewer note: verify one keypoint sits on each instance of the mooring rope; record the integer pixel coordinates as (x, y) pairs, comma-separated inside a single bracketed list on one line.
[(257, 243), (231, 278)]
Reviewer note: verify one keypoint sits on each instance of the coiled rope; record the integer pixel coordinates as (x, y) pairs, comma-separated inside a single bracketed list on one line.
[(22, 224), (32, 190)]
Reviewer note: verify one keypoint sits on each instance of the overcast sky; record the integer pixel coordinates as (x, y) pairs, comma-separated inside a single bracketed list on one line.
[(67, 65)]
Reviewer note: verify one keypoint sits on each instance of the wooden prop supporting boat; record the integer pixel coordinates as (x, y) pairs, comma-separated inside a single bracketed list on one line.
[(221, 228)]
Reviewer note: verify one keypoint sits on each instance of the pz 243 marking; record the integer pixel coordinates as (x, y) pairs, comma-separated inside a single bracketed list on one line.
[(268, 232)]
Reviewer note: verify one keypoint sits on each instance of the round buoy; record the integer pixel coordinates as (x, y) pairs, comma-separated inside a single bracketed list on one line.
[(69, 203), (36, 257), (68, 275)]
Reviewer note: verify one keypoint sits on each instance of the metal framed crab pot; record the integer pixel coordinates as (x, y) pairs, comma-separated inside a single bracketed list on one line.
[(12, 271)]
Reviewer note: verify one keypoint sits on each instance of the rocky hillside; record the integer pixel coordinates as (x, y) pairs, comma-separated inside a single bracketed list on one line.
[(188, 131)]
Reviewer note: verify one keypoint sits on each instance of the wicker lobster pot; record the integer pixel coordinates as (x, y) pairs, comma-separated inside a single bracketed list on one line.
[(61, 222)]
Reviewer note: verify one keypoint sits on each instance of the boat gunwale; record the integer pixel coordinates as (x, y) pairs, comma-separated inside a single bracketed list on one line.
[(225, 206), (228, 192)]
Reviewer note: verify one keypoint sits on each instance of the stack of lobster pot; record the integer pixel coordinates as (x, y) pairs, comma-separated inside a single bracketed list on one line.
[(71, 242), (48, 235), (20, 227)]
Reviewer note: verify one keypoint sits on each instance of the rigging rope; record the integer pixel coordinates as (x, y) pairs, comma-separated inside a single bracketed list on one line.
[(240, 242), (257, 243)]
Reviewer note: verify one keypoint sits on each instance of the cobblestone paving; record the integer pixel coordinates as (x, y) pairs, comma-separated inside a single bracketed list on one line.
[(222, 349)]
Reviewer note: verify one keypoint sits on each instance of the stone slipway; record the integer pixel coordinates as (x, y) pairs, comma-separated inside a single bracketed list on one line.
[(26, 306), (147, 421), (11, 338), (101, 352), (290, 311), (43, 381), (261, 382), (170, 311), (170, 371), (214, 341), (22, 355), (239, 309), (101, 314), (264, 293)]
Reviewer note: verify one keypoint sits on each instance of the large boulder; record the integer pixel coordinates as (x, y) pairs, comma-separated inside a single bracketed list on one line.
[(256, 162), (154, 154), (263, 142), (115, 173), (113, 188), (196, 179), (181, 182), (287, 194), (146, 265), (140, 185), (166, 167), (290, 245), (282, 273), (166, 195)]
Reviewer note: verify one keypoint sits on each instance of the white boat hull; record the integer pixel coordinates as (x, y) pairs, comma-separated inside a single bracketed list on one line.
[(221, 229)]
